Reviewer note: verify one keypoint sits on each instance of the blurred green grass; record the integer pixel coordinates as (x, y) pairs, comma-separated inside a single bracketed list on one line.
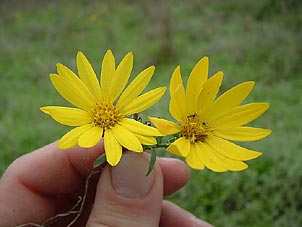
[(248, 40)]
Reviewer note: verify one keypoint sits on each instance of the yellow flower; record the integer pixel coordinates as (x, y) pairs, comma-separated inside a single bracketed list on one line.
[(93, 17), (102, 106), (206, 124)]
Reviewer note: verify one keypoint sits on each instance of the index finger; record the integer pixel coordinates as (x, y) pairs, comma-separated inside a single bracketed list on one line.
[(50, 170), (31, 184)]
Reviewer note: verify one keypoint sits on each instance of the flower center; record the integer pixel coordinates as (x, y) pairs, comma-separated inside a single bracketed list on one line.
[(106, 115), (194, 129)]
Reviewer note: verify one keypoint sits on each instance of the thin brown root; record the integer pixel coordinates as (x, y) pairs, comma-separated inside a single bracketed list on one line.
[(81, 202)]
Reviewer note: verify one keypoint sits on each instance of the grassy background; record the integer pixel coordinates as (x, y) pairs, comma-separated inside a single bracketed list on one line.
[(248, 40)]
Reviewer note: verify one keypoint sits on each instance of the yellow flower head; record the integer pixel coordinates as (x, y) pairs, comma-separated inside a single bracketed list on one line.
[(206, 124), (102, 107)]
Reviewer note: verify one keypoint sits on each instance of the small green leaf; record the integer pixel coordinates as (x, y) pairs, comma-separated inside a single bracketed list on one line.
[(159, 139), (100, 160), (152, 161)]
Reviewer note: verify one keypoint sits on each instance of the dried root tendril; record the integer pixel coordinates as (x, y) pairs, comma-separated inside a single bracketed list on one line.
[(77, 209)]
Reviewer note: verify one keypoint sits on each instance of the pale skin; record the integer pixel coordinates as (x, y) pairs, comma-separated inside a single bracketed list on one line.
[(48, 181)]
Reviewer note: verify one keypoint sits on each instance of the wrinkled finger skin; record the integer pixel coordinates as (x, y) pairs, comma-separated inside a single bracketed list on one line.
[(49, 181)]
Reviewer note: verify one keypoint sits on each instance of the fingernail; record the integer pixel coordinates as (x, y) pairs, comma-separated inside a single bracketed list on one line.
[(129, 176)]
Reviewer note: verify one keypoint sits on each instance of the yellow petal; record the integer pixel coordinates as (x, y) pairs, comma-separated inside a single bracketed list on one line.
[(107, 73), (135, 87), (74, 91), (91, 137), (88, 76), (121, 76), (67, 116), (231, 150), (209, 158), (208, 94), (176, 82), (230, 164), (144, 101), (177, 103), (164, 126), (230, 99), (113, 149), (243, 133), (146, 140), (66, 72), (139, 128), (177, 109), (240, 115), (70, 75), (193, 159), (126, 138), (180, 147), (195, 84), (70, 139)]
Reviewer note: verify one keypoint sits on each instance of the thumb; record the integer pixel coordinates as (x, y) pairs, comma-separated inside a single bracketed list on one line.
[(125, 196)]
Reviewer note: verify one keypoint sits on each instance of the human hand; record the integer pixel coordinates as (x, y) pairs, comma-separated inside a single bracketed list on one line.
[(49, 181)]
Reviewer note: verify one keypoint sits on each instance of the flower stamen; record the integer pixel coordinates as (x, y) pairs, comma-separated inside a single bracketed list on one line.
[(194, 129), (106, 115)]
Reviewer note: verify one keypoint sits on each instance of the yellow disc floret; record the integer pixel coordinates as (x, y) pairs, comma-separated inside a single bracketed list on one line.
[(106, 115), (194, 129)]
